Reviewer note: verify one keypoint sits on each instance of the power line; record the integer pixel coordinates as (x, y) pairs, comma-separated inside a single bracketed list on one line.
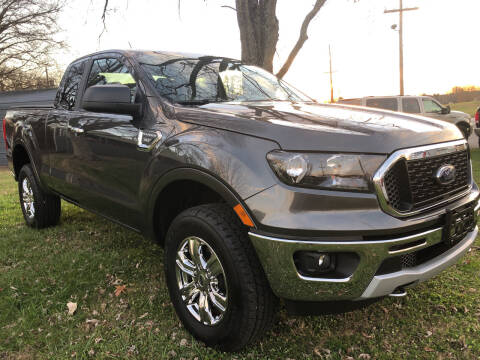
[(400, 10)]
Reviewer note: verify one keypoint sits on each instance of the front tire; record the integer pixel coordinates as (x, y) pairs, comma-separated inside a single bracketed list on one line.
[(215, 281), (39, 208)]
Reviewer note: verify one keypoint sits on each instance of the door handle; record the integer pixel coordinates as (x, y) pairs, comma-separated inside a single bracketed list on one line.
[(76, 130)]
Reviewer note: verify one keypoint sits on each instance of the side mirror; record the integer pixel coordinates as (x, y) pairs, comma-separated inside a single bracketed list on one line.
[(446, 110), (113, 98)]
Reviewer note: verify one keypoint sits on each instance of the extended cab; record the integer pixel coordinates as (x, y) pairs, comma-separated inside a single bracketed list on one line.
[(256, 191)]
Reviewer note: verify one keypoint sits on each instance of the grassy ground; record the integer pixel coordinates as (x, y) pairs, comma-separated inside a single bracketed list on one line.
[(86, 258), (469, 107)]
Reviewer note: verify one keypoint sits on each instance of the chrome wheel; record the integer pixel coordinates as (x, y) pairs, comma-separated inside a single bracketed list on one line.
[(201, 281), (28, 202)]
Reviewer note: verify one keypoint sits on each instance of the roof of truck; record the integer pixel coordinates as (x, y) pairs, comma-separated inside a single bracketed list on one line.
[(131, 52)]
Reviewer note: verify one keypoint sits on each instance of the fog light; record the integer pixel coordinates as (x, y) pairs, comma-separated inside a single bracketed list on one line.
[(312, 263)]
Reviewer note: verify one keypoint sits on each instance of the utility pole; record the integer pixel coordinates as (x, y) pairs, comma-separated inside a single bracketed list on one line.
[(400, 34), (331, 73), (46, 73)]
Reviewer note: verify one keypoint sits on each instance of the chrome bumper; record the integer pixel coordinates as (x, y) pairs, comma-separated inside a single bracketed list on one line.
[(276, 256), (385, 284)]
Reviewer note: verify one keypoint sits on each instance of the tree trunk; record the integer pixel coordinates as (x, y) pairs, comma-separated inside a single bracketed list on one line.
[(258, 24)]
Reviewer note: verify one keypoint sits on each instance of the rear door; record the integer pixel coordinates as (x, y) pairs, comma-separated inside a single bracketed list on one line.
[(106, 158)]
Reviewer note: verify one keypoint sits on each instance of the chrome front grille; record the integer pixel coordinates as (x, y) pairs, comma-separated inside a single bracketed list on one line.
[(406, 183)]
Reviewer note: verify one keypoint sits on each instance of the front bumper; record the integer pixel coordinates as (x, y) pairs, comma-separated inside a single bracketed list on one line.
[(382, 285), (276, 256)]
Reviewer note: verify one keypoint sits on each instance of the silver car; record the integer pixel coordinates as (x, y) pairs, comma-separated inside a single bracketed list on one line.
[(421, 105)]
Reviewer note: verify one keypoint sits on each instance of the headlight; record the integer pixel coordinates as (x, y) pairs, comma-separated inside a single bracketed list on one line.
[(327, 171)]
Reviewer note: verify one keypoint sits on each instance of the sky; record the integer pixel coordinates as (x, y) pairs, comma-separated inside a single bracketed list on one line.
[(440, 40)]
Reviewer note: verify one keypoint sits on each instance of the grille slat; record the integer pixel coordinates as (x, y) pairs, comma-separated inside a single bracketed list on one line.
[(411, 185)]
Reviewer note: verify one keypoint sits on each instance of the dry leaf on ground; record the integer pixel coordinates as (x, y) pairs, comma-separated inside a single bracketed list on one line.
[(119, 289), (72, 307)]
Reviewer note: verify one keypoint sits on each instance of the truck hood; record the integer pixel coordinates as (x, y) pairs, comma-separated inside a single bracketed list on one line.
[(460, 115), (322, 127)]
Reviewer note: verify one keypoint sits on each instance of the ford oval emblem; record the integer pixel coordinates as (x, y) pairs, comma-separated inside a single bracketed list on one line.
[(445, 174)]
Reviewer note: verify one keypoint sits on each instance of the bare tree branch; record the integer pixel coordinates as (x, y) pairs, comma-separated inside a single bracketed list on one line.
[(28, 31), (302, 38), (259, 28), (104, 15), (229, 7)]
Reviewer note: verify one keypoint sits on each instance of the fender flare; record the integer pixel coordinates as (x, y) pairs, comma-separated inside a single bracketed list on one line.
[(198, 175), (20, 142), (463, 123)]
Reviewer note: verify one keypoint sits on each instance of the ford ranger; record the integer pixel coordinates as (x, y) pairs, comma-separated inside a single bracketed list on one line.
[(256, 191)]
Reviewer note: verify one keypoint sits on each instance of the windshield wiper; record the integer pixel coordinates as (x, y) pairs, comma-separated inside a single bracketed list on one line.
[(194, 102), (201, 101)]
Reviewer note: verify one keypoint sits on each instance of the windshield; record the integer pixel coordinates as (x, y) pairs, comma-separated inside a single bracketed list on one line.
[(209, 79)]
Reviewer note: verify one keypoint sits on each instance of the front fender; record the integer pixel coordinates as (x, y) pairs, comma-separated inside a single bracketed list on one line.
[(464, 124), (231, 164)]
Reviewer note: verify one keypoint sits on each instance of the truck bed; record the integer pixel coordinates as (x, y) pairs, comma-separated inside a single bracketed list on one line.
[(23, 99)]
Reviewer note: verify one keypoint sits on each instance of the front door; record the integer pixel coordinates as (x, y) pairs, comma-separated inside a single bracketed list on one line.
[(105, 154)]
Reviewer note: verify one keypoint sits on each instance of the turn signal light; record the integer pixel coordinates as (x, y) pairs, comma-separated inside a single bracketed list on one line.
[(242, 214)]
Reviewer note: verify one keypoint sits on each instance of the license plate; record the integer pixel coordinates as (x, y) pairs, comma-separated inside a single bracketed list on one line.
[(458, 223)]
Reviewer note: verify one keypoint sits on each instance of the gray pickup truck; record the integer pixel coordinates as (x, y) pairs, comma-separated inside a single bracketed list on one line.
[(256, 192)]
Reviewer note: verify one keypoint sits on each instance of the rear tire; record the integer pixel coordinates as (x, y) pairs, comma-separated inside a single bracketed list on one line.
[(39, 208), (248, 303)]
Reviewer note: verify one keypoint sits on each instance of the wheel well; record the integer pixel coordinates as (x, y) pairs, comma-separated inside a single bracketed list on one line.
[(176, 197), (20, 157)]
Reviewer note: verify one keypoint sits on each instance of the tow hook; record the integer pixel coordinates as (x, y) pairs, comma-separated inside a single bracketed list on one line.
[(398, 292)]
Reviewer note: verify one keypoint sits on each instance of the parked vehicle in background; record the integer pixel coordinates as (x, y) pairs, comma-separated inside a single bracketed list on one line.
[(420, 105), (477, 124), (256, 191)]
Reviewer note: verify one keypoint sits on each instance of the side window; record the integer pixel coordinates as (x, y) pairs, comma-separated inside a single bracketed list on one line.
[(383, 103), (112, 71), (410, 105), (431, 106), (68, 91)]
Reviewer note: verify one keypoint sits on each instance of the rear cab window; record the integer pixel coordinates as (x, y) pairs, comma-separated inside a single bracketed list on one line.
[(67, 94), (383, 103)]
